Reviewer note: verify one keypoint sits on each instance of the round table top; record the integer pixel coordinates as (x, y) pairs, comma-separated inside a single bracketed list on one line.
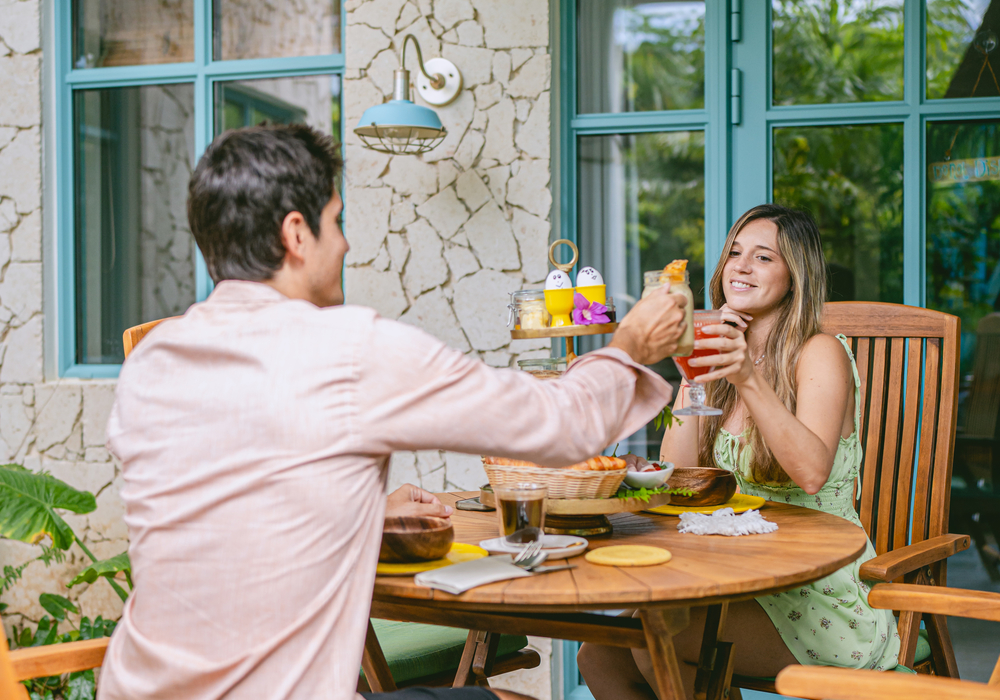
[(807, 546)]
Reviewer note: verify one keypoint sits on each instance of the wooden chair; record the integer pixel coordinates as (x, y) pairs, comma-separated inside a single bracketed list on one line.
[(38, 662), (478, 653), (907, 358), (976, 484), (819, 683)]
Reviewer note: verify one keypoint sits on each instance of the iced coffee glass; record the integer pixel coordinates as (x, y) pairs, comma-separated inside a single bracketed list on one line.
[(521, 512)]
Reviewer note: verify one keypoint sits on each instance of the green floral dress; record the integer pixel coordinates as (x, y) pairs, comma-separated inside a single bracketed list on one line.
[(828, 622)]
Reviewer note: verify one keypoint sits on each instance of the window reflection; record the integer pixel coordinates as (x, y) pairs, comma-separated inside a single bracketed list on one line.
[(636, 56), (963, 59), (263, 29), (641, 205), (829, 51), (132, 32), (135, 262), (311, 99), (851, 179)]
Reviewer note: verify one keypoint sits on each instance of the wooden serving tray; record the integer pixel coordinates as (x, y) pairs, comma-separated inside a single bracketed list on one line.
[(564, 331), (589, 506)]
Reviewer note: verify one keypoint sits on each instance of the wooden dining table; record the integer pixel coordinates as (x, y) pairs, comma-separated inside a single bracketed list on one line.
[(705, 571)]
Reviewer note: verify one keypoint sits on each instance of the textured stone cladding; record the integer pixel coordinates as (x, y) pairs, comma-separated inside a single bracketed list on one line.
[(437, 240)]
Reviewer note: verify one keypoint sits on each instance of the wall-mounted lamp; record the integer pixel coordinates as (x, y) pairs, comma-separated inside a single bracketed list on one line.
[(400, 127)]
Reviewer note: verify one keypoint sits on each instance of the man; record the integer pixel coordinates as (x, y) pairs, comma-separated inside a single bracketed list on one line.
[(255, 434)]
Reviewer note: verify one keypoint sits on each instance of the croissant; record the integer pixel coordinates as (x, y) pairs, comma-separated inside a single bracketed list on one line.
[(600, 463)]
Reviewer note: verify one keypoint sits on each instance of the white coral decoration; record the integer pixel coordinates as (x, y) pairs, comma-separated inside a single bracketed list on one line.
[(726, 522)]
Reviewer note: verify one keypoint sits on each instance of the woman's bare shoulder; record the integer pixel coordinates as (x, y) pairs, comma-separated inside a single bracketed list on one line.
[(825, 352)]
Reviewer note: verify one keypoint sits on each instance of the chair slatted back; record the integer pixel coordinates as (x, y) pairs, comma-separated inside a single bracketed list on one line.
[(908, 362), (132, 336)]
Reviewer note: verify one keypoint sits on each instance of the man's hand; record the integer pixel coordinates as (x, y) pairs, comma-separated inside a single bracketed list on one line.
[(413, 500), (650, 331)]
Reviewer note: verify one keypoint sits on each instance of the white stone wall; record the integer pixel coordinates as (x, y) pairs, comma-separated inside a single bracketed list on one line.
[(438, 241)]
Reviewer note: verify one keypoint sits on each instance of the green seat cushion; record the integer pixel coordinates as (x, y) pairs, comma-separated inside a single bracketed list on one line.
[(923, 651), (414, 650)]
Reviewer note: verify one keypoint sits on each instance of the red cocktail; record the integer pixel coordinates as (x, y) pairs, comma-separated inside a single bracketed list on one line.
[(697, 392)]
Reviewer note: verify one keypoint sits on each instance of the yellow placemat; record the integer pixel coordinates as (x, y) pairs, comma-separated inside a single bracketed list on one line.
[(739, 503), (459, 552), (628, 555)]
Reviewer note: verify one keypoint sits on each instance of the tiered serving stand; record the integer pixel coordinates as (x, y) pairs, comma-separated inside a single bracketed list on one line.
[(581, 517)]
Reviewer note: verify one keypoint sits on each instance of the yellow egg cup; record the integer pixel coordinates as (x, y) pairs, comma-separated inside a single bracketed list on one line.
[(559, 302), (594, 292)]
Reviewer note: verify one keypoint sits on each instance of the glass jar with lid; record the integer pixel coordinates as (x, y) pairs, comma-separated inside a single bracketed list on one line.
[(527, 310), (679, 284)]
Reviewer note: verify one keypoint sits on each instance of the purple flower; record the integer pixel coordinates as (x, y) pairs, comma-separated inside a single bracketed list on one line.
[(587, 313)]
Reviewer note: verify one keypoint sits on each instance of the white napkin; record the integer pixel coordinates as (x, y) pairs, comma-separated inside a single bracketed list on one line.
[(725, 522), (459, 578)]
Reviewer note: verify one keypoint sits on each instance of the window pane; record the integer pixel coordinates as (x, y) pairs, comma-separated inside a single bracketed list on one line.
[(135, 256), (312, 99), (828, 51), (963, 224), (851, 179), (641, 205), (636, 56), (963, 278), (263, 29), (962, 56), (132, 32)]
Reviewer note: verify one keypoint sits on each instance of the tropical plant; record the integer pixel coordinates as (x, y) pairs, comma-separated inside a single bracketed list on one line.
[(29, 502)]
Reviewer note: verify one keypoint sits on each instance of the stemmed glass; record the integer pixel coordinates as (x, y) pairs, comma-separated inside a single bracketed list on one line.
[(697, 393)]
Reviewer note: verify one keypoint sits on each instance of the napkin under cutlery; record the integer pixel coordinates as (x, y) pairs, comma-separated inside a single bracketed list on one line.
[(725, 522), (459, 578)]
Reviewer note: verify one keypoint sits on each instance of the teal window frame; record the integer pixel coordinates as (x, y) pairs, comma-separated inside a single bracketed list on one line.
[(203, 73), (739, 140)]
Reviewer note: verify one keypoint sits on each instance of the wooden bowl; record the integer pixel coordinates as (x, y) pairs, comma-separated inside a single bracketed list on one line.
[(415, 538), (712, 487)]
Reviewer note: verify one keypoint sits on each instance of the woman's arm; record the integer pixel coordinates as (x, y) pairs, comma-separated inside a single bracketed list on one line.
[(804, 443)]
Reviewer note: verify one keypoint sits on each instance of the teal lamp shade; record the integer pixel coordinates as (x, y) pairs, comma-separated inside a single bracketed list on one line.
[(400, 127)]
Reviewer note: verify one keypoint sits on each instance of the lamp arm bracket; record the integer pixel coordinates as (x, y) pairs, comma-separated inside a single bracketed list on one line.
[(437, 80)]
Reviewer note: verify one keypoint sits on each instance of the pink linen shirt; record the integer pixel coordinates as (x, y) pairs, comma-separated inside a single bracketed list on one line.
[(255, 434)]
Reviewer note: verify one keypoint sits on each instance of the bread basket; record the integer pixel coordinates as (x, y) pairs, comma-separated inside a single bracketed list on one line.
[(560, 483)]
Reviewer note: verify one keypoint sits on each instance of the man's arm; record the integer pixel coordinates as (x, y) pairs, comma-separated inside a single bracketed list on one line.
[(409, 500), (415, 393)]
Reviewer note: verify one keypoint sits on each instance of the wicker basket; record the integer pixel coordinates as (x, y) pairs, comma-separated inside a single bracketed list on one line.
[(560, 483)]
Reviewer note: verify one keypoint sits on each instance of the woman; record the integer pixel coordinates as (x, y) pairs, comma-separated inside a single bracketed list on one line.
[(789, 396)]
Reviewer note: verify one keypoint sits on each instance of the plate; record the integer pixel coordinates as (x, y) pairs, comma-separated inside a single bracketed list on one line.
[(739, 503), (459, 552), (556, 546)]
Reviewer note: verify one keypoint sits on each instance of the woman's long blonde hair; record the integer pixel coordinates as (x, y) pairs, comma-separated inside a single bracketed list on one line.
[(799, 319)]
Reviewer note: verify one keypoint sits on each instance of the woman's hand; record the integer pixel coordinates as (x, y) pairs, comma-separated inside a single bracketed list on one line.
[(738, 317), (733, 361)]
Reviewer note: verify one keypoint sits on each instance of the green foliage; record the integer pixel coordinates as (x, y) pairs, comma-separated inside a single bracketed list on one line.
[(829, 51), (27, 506), (643, 494), (56, 605), (107, 568), (666, 419)]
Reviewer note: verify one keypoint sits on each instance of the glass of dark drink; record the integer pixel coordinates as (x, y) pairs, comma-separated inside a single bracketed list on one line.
[(521, 510), (697, 393)]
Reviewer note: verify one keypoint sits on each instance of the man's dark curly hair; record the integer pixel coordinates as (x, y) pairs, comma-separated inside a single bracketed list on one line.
[(246, 183)]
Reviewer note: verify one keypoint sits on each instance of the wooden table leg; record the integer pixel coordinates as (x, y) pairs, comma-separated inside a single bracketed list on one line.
[(660, 625), (375, 666)]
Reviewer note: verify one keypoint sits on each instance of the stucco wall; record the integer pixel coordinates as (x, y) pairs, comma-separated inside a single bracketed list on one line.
[(437, 241)]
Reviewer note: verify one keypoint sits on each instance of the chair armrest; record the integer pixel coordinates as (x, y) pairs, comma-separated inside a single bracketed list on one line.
[(891, 565), (825, 683), (938, 600), (55, 659)]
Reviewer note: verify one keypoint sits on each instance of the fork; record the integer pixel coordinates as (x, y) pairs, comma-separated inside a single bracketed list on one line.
[(531, 556)]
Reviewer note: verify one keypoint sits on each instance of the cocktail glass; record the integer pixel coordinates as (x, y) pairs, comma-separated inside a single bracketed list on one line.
[(697, 392)]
